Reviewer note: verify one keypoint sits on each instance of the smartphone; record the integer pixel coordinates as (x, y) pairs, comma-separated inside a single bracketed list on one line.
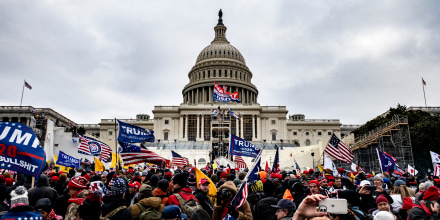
[(333, 206), (371, 188)]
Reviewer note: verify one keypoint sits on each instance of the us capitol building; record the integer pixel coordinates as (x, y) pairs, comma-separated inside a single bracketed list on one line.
[(193, 131)]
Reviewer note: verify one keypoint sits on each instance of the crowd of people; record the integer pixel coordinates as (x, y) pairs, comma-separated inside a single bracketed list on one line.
[(153, 193)]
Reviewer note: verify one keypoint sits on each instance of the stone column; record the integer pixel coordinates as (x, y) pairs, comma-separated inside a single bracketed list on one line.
[(253, 127), (197, 96), (260, 131), (203, 128), (210, 94), (181, 127), (198, 127), (241, 127), (186, 127)]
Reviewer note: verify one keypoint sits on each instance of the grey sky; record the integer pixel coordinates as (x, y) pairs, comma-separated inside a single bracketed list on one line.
[(347, 60)]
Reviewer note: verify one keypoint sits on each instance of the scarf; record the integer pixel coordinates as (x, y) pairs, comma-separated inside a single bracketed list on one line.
[(51, 215)]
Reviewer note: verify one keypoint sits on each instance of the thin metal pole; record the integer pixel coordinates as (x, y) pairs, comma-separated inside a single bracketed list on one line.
[(424, 96), (116, 148), (22, 91)]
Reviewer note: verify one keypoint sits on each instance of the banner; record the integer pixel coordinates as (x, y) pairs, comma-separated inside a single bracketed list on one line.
[(129, 133), (67, 160), (241, 147), (20, 149), (435, 157), (328, 164), (386, 162), (221, 95), (412, 170), (92, 147)]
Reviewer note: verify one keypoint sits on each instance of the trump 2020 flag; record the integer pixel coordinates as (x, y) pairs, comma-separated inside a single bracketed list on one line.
[(221, 95), (386, 162), (67, 160), (92, 147), (129, 133), (20, 149), (241, 147)]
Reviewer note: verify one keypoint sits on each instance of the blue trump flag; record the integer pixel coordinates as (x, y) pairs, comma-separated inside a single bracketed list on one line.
[(129, 133), (28, 215), (20, 149), (68, 161), (127, 147), (386, 162), (241, 147)]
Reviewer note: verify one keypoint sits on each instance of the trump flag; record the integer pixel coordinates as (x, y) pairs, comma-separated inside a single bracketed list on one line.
[(129, 133), (220, 94), (241, 147)]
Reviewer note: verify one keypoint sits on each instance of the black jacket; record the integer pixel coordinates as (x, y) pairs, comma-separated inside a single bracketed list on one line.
[(111, 203), (204, 201), (43, 190), (264, 210), (421, 212)]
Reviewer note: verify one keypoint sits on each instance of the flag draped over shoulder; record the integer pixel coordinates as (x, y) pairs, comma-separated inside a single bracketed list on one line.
[(212, 189), (240, 162), (129, 133), (337, 149), (178, 160), (133, 154), (276, 162), (21, 149), (386, 162), (92, 147)]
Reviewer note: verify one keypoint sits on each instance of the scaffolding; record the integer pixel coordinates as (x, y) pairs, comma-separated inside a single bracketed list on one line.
[(392, 137)]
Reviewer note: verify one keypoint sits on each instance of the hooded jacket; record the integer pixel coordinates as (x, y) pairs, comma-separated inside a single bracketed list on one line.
[(161, 194), (420, 211), (43, 190), (186, 194), (154, 202), (244, 212), (111, 203)]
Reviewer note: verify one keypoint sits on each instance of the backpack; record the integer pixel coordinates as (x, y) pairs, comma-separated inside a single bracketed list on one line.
[(112, 213), (148, 213), (188, 207)]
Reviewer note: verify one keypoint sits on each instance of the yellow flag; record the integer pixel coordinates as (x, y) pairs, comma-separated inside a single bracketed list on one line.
[(114, 158), (199, 175), (374, 173), (321, 168), (99, 166)]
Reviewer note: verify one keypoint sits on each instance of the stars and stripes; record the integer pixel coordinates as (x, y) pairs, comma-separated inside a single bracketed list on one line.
[(178, 160), (337, 149), (240, 162), (240, 197), (276, 162), (92, 147), (233, 114), (141, 155), (27, 85)]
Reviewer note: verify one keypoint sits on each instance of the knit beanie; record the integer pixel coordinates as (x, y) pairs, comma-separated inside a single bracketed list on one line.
[(230, 177), (91, 207), (431, 193), (116, 186), (77, 183), (181, 179), (378, 177), (9, 182), (407, 203), (427, 185), (163, 184), (43, 204), (382, 198), (19, 196)]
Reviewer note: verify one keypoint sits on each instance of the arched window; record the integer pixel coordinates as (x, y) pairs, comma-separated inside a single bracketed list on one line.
[(307, 142), (202, 162)]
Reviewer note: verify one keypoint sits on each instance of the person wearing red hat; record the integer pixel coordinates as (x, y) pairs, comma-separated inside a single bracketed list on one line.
[(406, 207), (201, 194), (314, 187), (133, 191), (427, 208), (78, 192)]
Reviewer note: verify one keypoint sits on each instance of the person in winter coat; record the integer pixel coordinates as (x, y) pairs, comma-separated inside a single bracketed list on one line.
[(91, 207), (180, 186), (20, 207), (426, 208), (44, 206), (146, 200), (264, 208), (285, 209), (202, 196), (43, 190), (225, 194), (77, 192), (114, 206), (162, 191)]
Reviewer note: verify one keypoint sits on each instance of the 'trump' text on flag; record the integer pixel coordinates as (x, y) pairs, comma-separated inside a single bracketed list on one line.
[(129, 133), (241, 147)]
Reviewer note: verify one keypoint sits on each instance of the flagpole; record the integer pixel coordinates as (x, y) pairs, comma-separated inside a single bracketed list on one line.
[(22, 91), (116, 148), (378, 157), (423, 86)]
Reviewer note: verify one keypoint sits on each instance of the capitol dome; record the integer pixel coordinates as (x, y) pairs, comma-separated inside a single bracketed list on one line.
[(222, 63)]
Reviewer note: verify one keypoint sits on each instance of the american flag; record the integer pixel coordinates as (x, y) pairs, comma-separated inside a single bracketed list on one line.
[(133, 154), (178, 160), (92, 147), (240, 197), (233, 114), (27, 85), (297, 166), (338, 150), (240, 162)]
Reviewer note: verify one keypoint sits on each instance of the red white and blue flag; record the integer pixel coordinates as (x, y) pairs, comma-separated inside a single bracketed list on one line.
[(240, 162), (220, 94), (92, 147), (337, 149), (27, 85), (178, 160), (233, 114), (133, 154), (276, 162)]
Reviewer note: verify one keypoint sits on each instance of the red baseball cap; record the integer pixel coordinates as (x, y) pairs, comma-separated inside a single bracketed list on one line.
[(135, 184), (203, 181)]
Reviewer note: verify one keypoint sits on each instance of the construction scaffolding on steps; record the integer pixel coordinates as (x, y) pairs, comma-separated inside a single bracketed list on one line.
[(392, 137)]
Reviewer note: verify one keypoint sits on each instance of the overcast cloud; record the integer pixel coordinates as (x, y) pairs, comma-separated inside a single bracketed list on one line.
[(347, 60)]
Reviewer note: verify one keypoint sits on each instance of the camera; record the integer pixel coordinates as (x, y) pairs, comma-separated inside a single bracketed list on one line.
[(370, 188)]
